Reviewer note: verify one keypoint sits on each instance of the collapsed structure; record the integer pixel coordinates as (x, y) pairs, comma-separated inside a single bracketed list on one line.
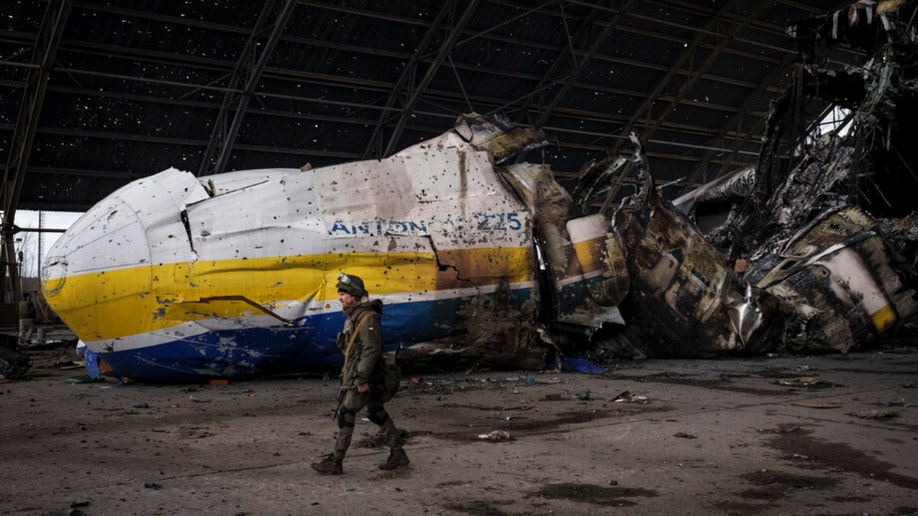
[(478, 259), (826, 221)]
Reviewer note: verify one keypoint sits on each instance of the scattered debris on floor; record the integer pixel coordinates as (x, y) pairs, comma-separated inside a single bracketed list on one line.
[(496, 436)]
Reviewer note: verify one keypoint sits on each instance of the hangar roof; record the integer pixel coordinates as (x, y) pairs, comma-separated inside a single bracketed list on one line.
[(95, 94)]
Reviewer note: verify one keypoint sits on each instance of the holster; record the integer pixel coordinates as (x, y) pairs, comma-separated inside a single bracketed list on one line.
[(340, 401)]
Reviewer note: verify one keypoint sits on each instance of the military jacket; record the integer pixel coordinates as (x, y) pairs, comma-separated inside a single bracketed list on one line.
[(364, 362), (26, 309)]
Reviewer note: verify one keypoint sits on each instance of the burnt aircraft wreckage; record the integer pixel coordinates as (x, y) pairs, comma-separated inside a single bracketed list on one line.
[(483, 260), (820, 234)]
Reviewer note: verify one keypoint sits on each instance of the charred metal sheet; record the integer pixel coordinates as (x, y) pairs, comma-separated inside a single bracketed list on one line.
[(499, 334), (498, 136), (817, 246), (737, 186), (681, 290), (600, 253), (826, 229), (715, 206), (585, 259), (835, 283)]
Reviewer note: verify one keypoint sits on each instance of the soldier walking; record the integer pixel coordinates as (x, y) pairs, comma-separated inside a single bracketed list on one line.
[(363, 376)]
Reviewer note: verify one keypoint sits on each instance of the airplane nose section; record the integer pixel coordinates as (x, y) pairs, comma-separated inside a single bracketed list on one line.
[(53, 275), (108, 261), (108, 236), (81, 273)]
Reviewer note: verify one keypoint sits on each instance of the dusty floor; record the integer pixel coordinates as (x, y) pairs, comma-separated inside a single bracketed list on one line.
[(788, 435)]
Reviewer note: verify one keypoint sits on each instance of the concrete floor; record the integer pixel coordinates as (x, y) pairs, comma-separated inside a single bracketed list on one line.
[(760, 436)]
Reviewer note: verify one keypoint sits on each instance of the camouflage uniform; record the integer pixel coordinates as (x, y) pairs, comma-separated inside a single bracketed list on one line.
[(26, 311), (364, 364)]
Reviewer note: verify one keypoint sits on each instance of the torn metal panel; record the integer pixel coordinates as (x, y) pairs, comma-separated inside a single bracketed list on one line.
[(817, 246), (714, 206), (835, 283), (683, 297), (809, 230), (602, 259), (733, 187), (811, 185), (681, 287), (498, 136), (586, 262)]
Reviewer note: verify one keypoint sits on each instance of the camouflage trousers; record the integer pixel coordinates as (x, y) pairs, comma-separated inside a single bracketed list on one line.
[(346, 417), (26, 329)]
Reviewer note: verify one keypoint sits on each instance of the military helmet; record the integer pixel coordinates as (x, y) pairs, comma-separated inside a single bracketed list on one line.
[(351, 284)]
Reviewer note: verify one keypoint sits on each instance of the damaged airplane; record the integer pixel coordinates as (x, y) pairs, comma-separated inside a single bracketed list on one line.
[(823, 228), (480, 259), (175, 278)]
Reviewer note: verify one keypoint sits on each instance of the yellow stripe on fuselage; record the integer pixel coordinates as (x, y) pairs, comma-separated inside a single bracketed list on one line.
[(132, 301), (589, 254), (884, 318)]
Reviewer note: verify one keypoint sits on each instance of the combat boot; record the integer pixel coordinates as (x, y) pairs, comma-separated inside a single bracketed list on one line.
[(397, 458), (328, 466)]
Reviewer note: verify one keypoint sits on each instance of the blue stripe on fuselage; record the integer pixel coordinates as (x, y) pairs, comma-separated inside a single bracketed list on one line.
[(309, 343)]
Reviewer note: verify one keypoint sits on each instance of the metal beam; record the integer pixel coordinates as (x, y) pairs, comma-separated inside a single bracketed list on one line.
[(653, 122), (566, 53), (698, 73), (109, 51), (43, 52), (578, 70), (754, 130), (445, 48), (374, 145), (244, 79)]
